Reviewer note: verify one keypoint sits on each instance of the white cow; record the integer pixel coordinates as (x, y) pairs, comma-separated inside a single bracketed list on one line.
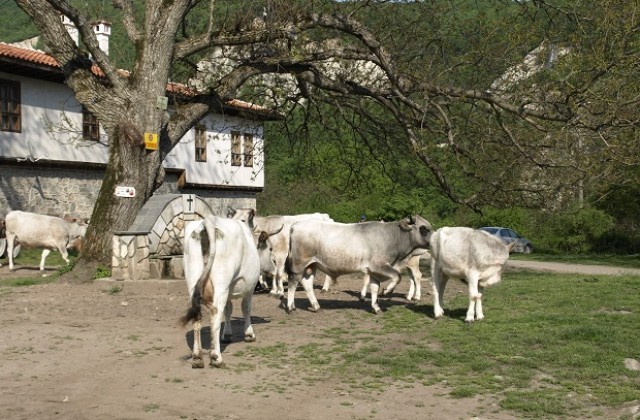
[(279, 242), (262, 239), (376, 249), (33, 230), (474, 256), (231, 271)]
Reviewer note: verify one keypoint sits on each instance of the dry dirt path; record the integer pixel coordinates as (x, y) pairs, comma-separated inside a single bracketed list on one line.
[(84, 352), (555, 267)]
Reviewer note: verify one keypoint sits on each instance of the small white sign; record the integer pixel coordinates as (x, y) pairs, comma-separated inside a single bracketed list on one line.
[(125, 192)]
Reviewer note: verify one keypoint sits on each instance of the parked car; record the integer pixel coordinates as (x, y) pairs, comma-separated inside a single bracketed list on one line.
[(509, 235)]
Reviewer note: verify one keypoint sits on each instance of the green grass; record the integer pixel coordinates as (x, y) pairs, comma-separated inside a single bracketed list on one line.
[(550, 345), (31, 258)]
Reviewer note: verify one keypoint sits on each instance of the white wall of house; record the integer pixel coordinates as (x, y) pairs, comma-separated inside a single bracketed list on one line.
[(52, 131), (218, 170), (51, 125)]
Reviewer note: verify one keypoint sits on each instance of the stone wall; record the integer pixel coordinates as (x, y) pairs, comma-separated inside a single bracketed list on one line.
[(152, 248), (61, 191)]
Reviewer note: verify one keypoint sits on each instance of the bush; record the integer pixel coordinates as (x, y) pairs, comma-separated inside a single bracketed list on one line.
[(577, 232)]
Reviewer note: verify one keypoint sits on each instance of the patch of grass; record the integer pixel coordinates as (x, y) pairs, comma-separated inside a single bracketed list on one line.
[(102, 272), (115, 289), (551, 345), (151, 407), (27, 281)]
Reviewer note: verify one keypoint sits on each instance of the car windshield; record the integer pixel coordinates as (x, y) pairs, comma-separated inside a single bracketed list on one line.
[(490, 230)]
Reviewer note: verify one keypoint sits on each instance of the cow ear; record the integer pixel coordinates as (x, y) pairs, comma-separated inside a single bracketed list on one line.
[(263, 237), (230, 212), (219, 234), (404, 225)]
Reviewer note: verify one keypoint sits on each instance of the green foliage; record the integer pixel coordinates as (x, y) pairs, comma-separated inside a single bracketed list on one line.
[(102, 272), (573, 232)]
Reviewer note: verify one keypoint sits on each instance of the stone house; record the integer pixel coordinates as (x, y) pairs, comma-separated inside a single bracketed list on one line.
[(53, 152)]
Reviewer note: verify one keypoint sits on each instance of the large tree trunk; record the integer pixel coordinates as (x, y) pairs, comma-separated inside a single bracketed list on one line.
[(130, 165)]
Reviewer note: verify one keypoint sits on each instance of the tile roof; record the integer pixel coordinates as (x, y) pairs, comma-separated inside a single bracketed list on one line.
[(31, 56), (40, 58)]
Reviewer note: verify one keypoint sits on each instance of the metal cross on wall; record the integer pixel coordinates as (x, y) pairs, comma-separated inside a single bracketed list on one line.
[(189, 203)]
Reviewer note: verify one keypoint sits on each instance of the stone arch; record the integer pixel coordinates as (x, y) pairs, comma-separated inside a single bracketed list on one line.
[(152, 247)]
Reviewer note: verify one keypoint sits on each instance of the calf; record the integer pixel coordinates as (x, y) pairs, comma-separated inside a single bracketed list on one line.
[(231, 271), (376, 249), (474, 256), (33, 230), (415, 277)]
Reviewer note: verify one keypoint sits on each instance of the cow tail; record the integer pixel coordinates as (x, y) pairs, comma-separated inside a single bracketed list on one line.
[(194, 312)]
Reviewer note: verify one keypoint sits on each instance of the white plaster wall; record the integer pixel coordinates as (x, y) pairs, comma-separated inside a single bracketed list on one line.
[(52, 130), (51, 125), (217, 170)]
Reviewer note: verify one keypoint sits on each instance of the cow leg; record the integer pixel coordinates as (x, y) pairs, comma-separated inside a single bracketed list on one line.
[(280, 290), (439, 280), (294, 279), (374, 286), (45, 253), (394, 275), (307, 284), (10, 243), (415, 278), (365, 282), (328, 282), (196, 353), (249, 335), (274, 285), (475, 299), (227, 331), (219, 303)]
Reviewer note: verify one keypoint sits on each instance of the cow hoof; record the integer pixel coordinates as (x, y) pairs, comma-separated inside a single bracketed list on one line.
[(314, 308), (376, 311), (216, 363), (197, 363), (226, 338), (362, 298), (250, 338)]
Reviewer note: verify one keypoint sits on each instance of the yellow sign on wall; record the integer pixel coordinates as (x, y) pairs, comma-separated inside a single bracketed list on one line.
[(151, 141)]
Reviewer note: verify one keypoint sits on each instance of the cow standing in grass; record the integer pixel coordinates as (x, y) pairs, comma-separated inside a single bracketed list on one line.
[(474, 256), (32, 230), (377, 249)]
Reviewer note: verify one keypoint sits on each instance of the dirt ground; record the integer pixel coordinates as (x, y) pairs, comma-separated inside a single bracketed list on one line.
[(82, 351)]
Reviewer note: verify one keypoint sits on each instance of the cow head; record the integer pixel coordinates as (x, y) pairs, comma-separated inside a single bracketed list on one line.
[(419, 224), (244, 215), (267, 261)]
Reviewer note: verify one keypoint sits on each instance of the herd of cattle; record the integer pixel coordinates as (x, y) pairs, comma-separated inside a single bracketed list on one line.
[(226, 257), (243, 249)]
